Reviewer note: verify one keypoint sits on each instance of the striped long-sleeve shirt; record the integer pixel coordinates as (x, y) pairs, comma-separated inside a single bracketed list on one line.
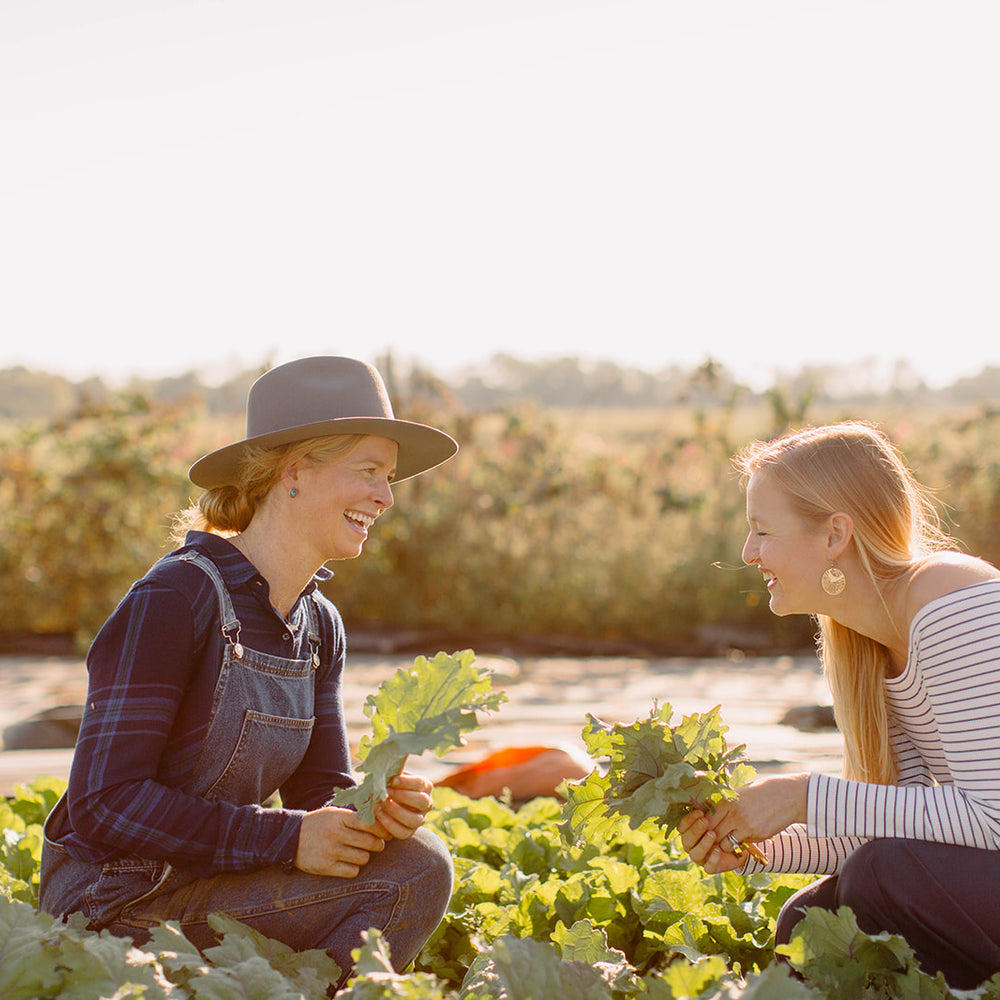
[(945, 718)]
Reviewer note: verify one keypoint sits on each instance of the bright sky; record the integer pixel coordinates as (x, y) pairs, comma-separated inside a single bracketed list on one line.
[(211, 184)]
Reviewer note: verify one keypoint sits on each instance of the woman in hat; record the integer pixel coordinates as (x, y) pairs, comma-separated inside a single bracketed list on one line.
[(909, 637), (216, 683)]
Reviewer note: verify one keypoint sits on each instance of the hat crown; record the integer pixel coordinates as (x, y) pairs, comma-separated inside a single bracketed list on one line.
[(314, 390)]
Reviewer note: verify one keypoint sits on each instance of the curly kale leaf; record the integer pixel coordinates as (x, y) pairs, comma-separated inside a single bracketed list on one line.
[(657, 771), (428, 706)]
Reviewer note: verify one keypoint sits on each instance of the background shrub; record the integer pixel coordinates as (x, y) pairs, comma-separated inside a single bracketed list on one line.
[(605, 526)]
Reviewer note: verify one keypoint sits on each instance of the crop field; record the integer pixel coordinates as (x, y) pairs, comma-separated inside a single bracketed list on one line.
[(609, 526)]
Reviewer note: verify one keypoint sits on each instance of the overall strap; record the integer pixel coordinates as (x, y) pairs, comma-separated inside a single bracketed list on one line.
[(227, 615), (312, 624)]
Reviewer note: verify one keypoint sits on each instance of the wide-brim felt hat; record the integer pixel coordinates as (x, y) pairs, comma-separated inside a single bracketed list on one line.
[(315, 397)]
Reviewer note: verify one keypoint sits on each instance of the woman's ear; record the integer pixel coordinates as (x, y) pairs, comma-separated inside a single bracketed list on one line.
[(290, 476), (841, 530)]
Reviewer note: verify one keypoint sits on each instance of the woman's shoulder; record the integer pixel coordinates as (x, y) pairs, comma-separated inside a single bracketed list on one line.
[(173, 573), (942, 574), (174, 589)]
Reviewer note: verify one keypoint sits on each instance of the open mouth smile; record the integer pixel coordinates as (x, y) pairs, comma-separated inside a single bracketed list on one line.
[(363, 520)]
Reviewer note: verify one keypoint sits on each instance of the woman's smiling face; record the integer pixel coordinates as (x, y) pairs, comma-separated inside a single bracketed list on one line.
[(338, 501), (790, 553)]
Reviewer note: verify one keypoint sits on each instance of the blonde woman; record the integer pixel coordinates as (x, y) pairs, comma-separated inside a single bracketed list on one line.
[(909, 637), (216, 683)]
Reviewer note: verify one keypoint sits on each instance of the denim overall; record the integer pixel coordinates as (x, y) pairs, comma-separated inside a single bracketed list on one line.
[(260, 726)]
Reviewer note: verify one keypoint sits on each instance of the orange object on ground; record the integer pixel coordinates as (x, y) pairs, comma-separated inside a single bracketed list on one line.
[(522, 772)]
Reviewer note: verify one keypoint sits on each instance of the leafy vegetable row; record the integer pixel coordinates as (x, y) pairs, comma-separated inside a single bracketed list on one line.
[(590, 899)]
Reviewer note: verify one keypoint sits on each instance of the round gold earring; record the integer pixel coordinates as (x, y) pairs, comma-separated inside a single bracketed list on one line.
[(833, 581)]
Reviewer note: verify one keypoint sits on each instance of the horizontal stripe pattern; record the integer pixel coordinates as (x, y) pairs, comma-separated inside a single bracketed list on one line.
[(945, 710)]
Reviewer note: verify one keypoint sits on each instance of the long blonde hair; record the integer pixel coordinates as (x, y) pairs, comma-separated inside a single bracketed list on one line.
[(852, 467), (226, 510)]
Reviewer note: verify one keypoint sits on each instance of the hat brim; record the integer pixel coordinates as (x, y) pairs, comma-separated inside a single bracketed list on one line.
[(421, 447)]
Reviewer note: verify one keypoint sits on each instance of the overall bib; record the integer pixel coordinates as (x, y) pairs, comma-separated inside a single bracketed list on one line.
[(260, 725)]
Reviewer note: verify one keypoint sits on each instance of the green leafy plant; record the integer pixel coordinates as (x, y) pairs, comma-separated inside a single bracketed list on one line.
[(633, 895), (531, 916), (525, 969), (616, 911), (841, 960), (375, 978), (21, 818), (657, 772), (427, 706), (42, 957)]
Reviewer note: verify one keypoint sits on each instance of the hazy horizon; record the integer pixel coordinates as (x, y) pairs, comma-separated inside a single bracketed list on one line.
[(775, 185)]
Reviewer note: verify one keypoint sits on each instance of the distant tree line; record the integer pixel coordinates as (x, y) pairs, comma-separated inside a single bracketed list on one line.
[(619, 528), (560, 383)]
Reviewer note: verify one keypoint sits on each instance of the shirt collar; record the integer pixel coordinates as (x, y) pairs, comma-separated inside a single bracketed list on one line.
[(235, 568)]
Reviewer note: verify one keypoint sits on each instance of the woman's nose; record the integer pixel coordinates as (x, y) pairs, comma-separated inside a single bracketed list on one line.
[(749, 554), (384, 495)]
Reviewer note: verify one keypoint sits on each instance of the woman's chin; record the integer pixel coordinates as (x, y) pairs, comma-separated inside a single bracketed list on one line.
[(777, 608)]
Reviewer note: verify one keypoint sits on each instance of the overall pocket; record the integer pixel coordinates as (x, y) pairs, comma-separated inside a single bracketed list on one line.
[(268, 750)]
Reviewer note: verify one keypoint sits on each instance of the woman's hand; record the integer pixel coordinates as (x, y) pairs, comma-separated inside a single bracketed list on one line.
[(334, 841), (702, 844), (760, 811), (404, 811), (763, 808)]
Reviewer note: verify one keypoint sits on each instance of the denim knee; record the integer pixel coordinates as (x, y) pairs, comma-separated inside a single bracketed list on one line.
[(432, 875), (420, 871)]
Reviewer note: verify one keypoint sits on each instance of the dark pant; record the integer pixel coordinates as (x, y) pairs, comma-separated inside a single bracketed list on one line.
[(944, 900)]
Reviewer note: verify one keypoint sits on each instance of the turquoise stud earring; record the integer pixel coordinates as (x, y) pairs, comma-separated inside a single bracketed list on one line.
[(293, 492)]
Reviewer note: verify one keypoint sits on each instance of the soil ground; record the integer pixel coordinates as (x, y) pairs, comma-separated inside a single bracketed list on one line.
[(549, 698)]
